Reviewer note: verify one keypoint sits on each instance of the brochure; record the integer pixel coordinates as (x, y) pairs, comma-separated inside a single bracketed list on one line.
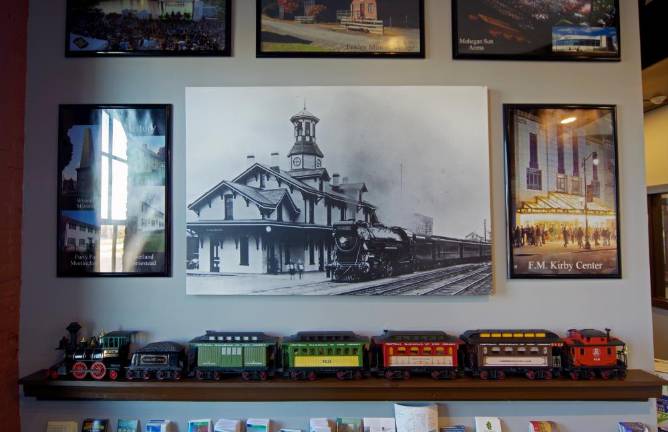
[(95, 425), (542, 426), (632, 427), (379, 424), (62, 426), (160, 426), (199, 425), (124, 425), (258, 425), (416, 417), (320, 425), (226, 425), (345, 424), (487, 424)]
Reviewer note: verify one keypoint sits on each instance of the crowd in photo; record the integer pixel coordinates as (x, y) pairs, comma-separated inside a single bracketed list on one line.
[(129, 32), (567, 236)]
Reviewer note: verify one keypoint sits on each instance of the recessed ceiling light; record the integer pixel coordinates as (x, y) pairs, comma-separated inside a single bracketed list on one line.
[(568, 120)]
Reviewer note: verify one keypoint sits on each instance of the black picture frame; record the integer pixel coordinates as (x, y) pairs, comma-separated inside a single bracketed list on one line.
[(67, 112), (260, 53), (225, 52), (459, 55), (510, 189)]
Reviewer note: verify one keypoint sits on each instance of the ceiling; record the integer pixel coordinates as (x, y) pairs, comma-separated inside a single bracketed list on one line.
[(655, 83)]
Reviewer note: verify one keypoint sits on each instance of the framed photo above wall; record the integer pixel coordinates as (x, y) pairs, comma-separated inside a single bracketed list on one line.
[(148, 28), (340, 28), (576, 30), (562, 191), (342, 191), (114, 190)]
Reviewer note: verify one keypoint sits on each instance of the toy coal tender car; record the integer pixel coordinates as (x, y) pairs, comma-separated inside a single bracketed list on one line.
[(486, 354)]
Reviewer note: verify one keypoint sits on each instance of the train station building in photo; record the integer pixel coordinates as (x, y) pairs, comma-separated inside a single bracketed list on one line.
[(266, 219)]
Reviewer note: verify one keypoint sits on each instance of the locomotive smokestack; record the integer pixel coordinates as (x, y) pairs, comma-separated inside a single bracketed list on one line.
[(250, 160), (607, 333), (335, 179)]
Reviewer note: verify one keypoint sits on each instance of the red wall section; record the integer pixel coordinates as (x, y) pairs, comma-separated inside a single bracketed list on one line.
[(13, 27)]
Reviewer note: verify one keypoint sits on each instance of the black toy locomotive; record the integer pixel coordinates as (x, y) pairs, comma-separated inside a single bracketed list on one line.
[(372, 251), (97, 357)]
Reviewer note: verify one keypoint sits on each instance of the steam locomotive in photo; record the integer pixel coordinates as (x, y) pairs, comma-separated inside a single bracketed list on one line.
[(371, 251)]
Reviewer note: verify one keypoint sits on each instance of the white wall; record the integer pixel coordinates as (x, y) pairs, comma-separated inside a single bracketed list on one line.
[(160, 306)]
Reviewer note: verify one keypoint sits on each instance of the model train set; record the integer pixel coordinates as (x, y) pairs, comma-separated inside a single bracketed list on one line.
[(485, 354), (371, 251)]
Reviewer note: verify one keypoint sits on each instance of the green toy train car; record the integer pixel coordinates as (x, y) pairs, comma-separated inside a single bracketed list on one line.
[(309, 354), (251, 355)]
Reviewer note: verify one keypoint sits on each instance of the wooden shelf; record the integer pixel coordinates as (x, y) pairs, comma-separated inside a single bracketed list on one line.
[(638, 386)]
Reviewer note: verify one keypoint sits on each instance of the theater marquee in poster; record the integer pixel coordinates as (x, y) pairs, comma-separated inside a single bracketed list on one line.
[(562, 191)]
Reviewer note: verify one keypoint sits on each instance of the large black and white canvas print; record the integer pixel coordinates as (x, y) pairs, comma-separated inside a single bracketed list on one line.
[(338, 191)]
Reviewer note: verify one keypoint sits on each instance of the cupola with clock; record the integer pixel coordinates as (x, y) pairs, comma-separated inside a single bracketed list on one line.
[(305, 154)]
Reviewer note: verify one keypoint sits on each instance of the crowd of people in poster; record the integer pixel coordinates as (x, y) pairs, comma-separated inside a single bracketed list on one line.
[(147, 26)]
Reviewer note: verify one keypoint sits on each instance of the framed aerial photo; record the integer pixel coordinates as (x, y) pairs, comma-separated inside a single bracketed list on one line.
[(340, 28), (562, 191), (342, 191), (114, 190), (148, 28), (584, 30)]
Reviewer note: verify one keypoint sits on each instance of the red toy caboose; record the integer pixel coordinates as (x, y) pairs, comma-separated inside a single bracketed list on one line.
[(398, 354), (588, 353)]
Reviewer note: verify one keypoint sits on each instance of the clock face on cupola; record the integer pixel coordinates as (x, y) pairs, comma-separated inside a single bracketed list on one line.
[(305, 153)]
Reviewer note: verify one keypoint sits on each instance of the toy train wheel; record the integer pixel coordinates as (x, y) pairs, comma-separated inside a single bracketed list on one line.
[(217, 376), (146, 375), (591, 375), (176, 376), (199, 375), (129, 375), (245, 375), (161, 375), (311, 376), (407, 375), (500, 375), (574, 375), (484, 375), (53, 374), (606, 374), (531, 375), (113, 375), (79, 370), (357, 375), (436, 374), (98, 370), (263, 376), (548, 375)]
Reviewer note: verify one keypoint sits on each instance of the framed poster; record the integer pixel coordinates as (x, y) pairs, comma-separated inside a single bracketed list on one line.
[(340, 28), (341, 191), (170, 28), (575, 30), (562, 191), (114, 190)]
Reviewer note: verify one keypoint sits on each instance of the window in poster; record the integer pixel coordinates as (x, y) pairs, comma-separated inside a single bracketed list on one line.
[(148, 28), (113, 190), (340, 28), (536, 29), (562, 191), (347, 194)]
